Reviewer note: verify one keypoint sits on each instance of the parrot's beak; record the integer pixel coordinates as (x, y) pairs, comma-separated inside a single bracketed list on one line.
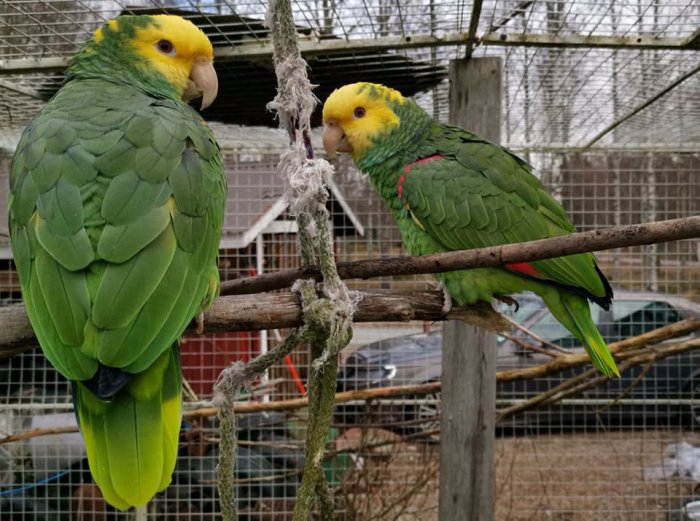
[(203, 83), (334, 139)]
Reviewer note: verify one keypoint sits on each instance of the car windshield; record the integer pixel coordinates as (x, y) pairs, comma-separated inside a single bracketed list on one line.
[(634, 317)]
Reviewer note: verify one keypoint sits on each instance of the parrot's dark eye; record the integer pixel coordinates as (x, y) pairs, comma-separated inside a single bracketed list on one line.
[(165, 47), (360, 112)]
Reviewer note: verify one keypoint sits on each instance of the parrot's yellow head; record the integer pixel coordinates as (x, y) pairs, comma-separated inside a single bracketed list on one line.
[(174, 48), (356, 114)]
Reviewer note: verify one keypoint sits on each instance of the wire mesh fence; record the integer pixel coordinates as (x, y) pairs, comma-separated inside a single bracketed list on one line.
[(599, 63), (608, 452), (612, 127)]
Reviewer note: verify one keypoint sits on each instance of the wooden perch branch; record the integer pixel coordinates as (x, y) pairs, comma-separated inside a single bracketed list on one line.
[(282, 310), (632, 351), (279, 311), (609, 238)]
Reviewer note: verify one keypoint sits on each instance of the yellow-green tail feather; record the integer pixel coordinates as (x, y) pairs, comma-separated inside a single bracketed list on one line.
[(132, 439), (574, 313)]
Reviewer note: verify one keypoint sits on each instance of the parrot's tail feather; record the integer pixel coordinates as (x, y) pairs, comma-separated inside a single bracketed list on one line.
[(603, 301), (575, 314), (606, 301), (132, 439)]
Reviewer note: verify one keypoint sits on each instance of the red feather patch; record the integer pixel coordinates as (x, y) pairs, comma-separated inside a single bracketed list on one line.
[(408, 167), (524, 268), (428, 159), (402, 178)]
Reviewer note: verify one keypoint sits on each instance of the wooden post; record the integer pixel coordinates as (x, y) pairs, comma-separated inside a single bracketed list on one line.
[(475, 96), (467, 424)]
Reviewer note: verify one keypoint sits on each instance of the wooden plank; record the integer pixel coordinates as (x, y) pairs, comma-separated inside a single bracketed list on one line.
[(467, 424), (475, 96)]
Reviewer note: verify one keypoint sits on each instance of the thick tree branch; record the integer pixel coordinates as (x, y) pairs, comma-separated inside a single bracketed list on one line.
[(283, 310), (605, 239)]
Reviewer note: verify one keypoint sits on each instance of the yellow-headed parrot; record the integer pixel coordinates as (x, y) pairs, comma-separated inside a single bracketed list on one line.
[(116, 209)]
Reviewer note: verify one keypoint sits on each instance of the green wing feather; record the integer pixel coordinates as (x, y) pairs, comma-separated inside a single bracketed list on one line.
[(115, 221), (479, 194), (116, 210)]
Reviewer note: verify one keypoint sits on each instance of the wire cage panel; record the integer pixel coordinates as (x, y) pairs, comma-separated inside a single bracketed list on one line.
[(600, 96)]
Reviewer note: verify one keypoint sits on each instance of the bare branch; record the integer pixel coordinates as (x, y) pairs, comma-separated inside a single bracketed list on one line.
[(34, 433), (530, 347), (543, 342), (623, 351), (596, 240), (283, 310), (591, 378), (563, 362)]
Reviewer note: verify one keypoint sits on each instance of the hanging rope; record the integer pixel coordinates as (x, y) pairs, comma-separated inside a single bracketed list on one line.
[(329, 317), (228, 385), (328, 313)]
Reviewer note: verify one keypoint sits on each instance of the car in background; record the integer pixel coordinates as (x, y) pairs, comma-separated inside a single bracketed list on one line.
[(688, 512), (660, 392)]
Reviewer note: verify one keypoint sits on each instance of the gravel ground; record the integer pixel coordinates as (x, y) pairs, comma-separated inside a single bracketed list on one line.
[(612, 476), (565, 477)]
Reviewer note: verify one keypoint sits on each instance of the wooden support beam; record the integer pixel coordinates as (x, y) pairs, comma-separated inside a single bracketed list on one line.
[(467, 424), (468, 418), (311, 46)]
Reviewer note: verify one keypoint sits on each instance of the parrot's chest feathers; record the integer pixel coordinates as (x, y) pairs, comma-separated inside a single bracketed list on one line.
[(414, 236)]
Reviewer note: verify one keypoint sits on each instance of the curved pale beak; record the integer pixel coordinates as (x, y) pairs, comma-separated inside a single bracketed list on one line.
[(203, 83), (334, 139)]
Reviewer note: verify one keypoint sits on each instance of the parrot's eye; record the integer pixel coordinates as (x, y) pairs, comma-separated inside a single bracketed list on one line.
[(166, 47), (360, 112)]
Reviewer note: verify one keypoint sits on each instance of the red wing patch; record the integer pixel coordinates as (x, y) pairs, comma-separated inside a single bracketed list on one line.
[(524, 268), (402, 178), (428, 159), (407, 169)]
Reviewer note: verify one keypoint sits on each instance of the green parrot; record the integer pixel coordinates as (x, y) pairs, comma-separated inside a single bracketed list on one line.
[(117, 195), (449, 189)]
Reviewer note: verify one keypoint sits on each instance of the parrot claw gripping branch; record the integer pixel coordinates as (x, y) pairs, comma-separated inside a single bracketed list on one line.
[(117, 194)]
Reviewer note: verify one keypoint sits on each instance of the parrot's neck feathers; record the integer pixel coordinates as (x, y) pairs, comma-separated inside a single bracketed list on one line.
[(384, 162)]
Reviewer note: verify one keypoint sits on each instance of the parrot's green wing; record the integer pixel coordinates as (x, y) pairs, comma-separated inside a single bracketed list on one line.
[(115, 215), (116, 210), (468, 193)]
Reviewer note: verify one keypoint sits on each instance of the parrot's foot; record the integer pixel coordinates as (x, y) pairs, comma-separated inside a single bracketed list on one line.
[(447, 303), (200, 323), (509, 301)]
